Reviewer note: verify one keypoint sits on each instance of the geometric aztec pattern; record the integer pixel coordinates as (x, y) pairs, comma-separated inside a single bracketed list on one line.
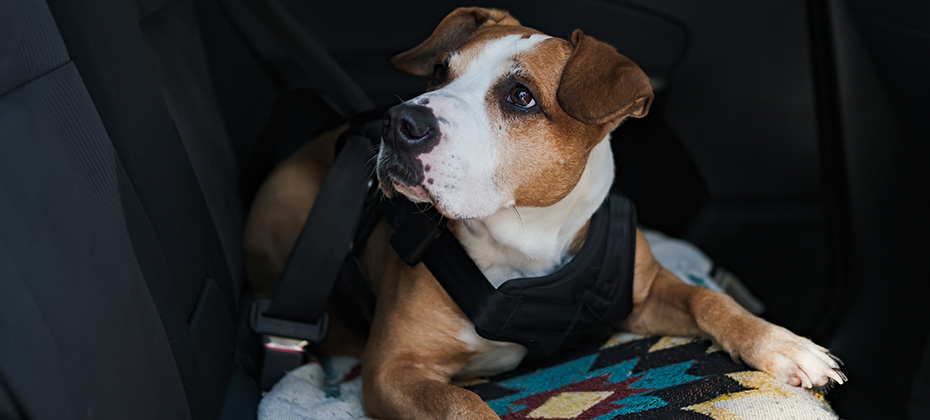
[(635, 377)]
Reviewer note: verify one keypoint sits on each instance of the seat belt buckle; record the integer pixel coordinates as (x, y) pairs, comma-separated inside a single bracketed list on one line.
[(284, 342), (279, 356)]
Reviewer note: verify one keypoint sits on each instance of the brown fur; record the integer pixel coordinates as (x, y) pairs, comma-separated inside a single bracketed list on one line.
[(453, 31), (551, 150), (600, 85), (414, 349)]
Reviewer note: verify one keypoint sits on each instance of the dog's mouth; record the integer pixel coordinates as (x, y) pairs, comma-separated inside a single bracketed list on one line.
[(416, 194), (403, 174), (396, 176)]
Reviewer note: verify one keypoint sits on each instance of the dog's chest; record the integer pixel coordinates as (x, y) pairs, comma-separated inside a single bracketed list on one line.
[(499, 263), (505, 247)]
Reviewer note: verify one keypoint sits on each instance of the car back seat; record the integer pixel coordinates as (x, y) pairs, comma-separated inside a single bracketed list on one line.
[(120, 268)]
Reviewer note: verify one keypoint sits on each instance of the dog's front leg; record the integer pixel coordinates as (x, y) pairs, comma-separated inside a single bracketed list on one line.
[(414, 348), (411, 355), (663, 304), (407, 389)]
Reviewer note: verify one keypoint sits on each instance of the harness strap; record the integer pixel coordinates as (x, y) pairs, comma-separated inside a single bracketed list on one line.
[(545, 314)]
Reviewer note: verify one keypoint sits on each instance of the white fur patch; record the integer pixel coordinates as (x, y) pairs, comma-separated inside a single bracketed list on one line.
[(465, 163), (534, 241)]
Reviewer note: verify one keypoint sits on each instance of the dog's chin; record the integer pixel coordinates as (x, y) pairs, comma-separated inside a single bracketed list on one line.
[(417, 194), (391, 186)]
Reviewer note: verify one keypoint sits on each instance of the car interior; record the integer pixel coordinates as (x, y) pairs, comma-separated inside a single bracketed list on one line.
[(788, 140)]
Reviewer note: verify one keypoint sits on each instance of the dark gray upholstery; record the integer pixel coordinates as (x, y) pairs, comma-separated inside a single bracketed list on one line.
[(119, 247), (76, 300)]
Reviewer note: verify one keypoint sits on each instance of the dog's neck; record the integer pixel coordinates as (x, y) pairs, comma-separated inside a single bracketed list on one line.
[(535, 241)]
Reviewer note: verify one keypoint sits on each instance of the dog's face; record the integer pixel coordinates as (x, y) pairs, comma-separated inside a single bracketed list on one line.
[(509, 117)]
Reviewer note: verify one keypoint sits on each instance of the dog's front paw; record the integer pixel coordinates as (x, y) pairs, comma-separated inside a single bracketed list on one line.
[(793, 359)]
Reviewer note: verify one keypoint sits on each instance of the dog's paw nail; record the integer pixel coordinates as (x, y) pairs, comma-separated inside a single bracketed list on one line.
[(832, 375), (796, 360), (843, 378), (805, 380)]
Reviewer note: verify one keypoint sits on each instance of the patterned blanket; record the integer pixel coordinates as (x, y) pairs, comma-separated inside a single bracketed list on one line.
[(626, 377), (631, 376)]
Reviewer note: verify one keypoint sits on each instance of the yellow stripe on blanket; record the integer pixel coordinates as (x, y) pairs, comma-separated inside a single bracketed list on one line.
[(767, 398)]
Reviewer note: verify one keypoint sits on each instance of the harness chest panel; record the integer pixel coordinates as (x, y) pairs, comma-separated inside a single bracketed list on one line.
[(590, 295)]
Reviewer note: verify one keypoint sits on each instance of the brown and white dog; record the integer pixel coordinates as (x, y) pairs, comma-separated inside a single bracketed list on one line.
[(511, 143)]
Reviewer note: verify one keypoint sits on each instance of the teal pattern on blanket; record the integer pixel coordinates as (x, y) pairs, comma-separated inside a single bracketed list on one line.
[(642, 377)]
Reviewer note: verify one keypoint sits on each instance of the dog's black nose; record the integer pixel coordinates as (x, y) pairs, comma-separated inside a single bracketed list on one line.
[(410, 127)]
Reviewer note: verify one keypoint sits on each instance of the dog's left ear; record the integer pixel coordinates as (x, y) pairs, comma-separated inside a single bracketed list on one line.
[(599, 85), (454, 31)]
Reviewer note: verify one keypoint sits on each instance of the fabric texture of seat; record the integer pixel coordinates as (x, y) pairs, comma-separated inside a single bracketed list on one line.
[(120, 247), (79, 322)]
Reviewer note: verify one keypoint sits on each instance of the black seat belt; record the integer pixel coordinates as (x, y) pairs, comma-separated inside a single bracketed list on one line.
[(295, 314)]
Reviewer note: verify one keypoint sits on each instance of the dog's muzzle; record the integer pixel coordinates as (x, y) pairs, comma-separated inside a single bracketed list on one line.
[(407, 132)]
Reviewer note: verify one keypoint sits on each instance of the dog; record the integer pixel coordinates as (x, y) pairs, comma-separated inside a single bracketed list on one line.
[(510, 142)]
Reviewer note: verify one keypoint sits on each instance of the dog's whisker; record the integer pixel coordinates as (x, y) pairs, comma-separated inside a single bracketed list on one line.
[(423, 209), (519, 218)]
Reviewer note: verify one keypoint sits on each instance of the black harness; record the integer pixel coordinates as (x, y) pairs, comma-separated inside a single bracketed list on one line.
[(591, 294)]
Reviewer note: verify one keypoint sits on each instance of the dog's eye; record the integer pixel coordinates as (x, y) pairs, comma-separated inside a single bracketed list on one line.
[(440, 71), (521, 97)]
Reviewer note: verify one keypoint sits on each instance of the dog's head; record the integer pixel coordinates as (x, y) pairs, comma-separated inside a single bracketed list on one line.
[(509, 117)]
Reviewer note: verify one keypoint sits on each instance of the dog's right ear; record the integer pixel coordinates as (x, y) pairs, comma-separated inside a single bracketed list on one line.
[(454, 30)]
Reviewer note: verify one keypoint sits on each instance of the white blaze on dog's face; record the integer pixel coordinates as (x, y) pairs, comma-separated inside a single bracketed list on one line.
[(509, 118)]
